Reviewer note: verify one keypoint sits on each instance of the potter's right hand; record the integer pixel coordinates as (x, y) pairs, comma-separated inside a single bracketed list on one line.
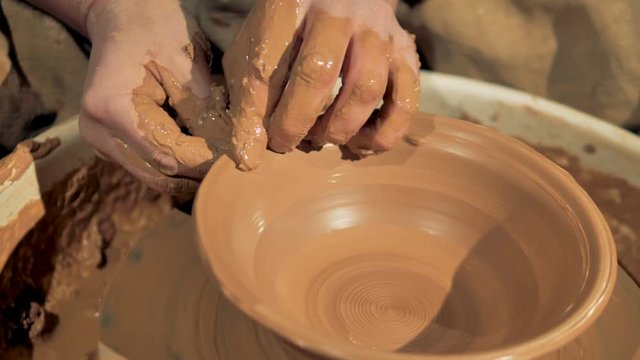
[(147, 55), (288, 55)]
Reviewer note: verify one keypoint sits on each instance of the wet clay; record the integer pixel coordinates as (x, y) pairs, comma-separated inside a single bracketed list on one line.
[(160, 292), (400, 252), (12, 233), (258, 61), (52, 284), (12, 168), (279, 59), (140, 295), (15, 164), (205, 118), (616, 198), (295, 65)]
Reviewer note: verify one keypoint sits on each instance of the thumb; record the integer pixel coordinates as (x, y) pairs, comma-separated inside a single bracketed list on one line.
[(206, 117)]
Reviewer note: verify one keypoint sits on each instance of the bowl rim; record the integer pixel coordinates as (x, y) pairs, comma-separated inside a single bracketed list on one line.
[(571, 327)]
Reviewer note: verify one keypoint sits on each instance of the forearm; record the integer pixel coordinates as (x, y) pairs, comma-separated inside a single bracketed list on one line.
[(72, 12)]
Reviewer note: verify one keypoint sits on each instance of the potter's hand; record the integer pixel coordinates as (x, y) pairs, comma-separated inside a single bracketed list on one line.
[(145, 56), (285, 61)]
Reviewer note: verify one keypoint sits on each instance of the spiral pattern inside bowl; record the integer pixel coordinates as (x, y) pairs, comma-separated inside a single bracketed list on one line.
[(462, 244)]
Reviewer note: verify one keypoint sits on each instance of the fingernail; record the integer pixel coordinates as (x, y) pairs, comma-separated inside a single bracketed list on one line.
[(249, 156), (167, 164), (279, 146)]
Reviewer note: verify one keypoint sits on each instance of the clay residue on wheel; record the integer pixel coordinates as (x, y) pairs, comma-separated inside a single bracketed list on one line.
[(12, 233), (12, 168), (618, 200), (52, 284), (15, 164)]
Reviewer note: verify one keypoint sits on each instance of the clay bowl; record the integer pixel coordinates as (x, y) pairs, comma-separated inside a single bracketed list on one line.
[(459, 242)]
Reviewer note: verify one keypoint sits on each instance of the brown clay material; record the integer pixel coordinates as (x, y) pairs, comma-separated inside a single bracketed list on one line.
[(12, 167), (12, 233), (41, 149), (295, 66), (616, 198), (63, 264), (255, 70), (261, 71), (458, 241), (203, 117), (222, 332), (15, 164), (160, 295)]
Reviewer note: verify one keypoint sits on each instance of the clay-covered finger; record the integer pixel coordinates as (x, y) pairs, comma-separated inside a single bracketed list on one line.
[(312, 78), (151, 133), (364, 82), (147, 128), (116, 150), (192, 154), (256, 66), (204, 117), (401, 101)]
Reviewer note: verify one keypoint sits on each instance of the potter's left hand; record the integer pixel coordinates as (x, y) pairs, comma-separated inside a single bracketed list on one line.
[(286, 59)]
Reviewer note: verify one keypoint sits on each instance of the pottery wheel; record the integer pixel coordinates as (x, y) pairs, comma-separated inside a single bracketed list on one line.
[(164, 304)]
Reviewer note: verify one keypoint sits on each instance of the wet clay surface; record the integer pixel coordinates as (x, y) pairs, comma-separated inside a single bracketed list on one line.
[(51, 287), (618, 200), (265, 67), (15, 164), (143, 299), (444, 266), (12, 168), (162, 282), (206, 118), (14, 231), (280, 78), (279, 73), (238, 331)]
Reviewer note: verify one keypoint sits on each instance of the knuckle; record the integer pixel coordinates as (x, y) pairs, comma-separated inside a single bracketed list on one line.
[(93, 104), (286, 138), (156, 183), (383, 143), (175, 187), (102, 107), (261, 68), (369, 90), (403, 43), (165, 185), (292, 134), (339, 136), (317, 70), (384, 8), (84, 127)]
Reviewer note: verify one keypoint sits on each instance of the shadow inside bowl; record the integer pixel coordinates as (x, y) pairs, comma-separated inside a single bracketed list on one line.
[(464, 243)]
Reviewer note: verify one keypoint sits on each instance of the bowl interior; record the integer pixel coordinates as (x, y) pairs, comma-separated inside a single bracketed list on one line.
[(457, 242)]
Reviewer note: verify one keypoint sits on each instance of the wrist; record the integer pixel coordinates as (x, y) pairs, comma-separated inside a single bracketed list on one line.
[(97, 17), (71, 12), (89, 12), (106, 17)]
